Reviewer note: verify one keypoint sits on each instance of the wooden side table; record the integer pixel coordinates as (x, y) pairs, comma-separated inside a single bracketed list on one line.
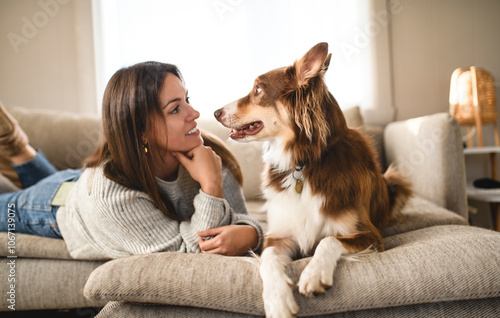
[(486, 195)]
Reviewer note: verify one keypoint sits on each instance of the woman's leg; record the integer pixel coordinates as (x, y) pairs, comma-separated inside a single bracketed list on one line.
[(34, 170), (19, 214), (30, 211), (30, 165)]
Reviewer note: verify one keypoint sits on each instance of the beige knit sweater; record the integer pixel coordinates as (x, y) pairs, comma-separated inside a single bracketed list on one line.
[(104, 220)]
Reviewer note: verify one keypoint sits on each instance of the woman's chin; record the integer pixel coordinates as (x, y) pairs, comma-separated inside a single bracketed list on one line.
[(191, 144)]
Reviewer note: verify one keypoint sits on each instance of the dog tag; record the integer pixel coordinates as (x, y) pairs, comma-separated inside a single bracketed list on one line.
[(298, 186)]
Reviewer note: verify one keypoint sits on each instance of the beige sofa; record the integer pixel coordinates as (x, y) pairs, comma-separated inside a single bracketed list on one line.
[(435, 263)]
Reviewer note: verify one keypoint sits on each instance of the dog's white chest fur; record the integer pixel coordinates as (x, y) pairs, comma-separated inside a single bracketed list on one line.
[(299, 217)]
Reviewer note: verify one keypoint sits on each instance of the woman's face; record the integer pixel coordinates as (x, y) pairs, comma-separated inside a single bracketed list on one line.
[(182, 133)]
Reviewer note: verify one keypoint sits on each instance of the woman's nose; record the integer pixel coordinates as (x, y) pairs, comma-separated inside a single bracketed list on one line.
[(193, 114)]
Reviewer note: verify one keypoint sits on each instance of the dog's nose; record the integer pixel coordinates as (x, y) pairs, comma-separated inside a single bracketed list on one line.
[(217, 113)]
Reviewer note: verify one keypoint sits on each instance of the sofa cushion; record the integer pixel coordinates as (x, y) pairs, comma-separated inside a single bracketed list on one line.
[(485, 308), (428, 150), (33, 246), (419, 213), (47, 284), (436, 264), (6, 185)]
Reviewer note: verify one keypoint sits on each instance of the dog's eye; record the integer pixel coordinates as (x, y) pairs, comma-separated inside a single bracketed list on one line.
[(258, 90)]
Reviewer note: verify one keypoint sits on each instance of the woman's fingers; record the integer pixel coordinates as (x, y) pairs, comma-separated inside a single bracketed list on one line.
[(208, 242), (210, 232), (204, 166), (208, 246), (228, 240)]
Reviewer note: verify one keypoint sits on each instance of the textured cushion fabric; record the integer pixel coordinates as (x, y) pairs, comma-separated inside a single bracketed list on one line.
[(10, 174), (6, 185), (353, 116), (48, 284), (33, 246), (485, 308), (116, 309), (437, 264), (419, 213), (428, 150)]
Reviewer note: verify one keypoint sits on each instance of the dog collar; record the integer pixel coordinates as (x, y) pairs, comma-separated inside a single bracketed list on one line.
[(298, 176)]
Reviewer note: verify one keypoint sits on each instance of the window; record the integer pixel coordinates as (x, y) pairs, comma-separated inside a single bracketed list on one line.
[(220, 46)]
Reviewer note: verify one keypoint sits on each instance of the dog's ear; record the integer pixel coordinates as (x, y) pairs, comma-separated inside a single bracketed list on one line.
[(326, 64), (316, 60)]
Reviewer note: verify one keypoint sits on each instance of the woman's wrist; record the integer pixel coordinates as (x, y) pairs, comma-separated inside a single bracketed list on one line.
[(213, 190), (252, 234)]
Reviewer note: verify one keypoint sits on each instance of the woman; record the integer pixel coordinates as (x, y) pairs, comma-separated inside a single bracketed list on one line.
[(154, 184)]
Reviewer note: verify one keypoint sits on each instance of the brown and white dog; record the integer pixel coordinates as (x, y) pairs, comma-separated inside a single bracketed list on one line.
[(326, 192)]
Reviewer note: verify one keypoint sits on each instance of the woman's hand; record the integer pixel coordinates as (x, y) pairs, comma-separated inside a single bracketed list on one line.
[(204, 166), (229, 240)]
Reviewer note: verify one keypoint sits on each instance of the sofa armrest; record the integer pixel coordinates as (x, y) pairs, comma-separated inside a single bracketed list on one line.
[(429, 152)]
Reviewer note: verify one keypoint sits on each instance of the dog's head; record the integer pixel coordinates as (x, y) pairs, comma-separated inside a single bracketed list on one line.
[(289, 103)]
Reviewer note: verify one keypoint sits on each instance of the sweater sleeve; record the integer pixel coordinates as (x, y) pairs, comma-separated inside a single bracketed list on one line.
[(211, 212), (233, 194)]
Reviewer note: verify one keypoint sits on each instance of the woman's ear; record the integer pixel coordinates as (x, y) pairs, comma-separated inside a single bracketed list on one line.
[(144, 139)]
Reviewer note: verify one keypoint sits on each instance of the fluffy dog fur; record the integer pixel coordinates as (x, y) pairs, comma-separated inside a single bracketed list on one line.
[(326, 192)]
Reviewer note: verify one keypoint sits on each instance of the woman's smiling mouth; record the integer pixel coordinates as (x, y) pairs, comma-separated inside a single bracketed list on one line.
[(192, 131)]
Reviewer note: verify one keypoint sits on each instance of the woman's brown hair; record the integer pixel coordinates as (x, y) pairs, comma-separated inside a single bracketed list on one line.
[(130, 107)]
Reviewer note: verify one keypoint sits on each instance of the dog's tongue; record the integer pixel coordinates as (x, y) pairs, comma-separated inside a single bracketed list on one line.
[(249, 129)]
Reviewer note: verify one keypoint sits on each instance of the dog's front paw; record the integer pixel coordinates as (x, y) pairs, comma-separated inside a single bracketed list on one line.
[(315, 278), (279, 302)]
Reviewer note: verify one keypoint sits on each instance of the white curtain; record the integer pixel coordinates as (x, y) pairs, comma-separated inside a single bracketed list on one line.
[(220, 46)]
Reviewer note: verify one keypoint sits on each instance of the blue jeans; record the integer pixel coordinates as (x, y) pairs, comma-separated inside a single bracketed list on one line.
[(30, 210)]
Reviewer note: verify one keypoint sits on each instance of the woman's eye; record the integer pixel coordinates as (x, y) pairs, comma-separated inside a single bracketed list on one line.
[(187, 100), (175, 110), (258, 90)]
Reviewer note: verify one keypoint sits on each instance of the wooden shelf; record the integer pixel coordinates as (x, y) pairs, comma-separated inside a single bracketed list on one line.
[(481, 150), (486, 195), (492, 151)]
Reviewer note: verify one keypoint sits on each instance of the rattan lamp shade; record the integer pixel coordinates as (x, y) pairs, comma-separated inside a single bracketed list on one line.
[(473, 100)]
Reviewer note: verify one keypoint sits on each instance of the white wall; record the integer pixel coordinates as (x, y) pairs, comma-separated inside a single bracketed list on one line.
[(47, 55), (430, 39)]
